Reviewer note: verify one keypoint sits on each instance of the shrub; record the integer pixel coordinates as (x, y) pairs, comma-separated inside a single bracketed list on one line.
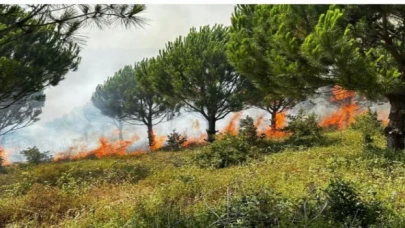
[(304, 129), (228, 151), (34, 156), (247, 130), (261, 208), (176, 140), (345, 205), (368, 125), (2, 169)]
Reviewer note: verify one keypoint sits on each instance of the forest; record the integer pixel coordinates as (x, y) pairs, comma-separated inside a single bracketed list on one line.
[(273, 161)]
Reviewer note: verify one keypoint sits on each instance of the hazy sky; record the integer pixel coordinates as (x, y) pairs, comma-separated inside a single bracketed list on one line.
[(106, 51)]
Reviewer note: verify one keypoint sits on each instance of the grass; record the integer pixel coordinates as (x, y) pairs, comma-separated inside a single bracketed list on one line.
[(161, 188)]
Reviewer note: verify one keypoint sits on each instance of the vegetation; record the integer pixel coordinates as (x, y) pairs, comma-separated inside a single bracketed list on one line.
[(304, 129), (195, 71), (271, 57), (320, 186), (34, 156), (39, 46), (175, 140)]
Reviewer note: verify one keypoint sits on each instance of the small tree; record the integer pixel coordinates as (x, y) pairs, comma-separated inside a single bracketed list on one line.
[(1, 164), (369, 125), (304, 129), (247, 130), (34, 156), (176, 140)]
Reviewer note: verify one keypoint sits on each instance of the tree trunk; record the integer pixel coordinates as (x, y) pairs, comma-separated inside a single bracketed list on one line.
[(151, 136), (273, 121), (396, 127), (211, 130), (120, 126)]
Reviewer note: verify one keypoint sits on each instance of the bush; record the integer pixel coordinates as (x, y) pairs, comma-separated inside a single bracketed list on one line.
[(176, 140), (345, 205), (228, 151), (368, 125), (34, 156), (304, 129), (247, 130), (2, 169), (262, 208)]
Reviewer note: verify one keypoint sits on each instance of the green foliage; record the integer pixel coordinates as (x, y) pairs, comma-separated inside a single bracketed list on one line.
[(346, 206), (195, 70), (247, 130), (228, 151), (175, 140), (34, 156), (262, 208), (304, 129), (39, 46), (368, 125), (2, 169)]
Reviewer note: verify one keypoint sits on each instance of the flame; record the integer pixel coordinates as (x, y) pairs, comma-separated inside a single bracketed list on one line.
[(116, 132), (280, 123), (231, 128), (106, 148), (344, 116), (340, 94), (5, 155), (195, 140), (158, 141)]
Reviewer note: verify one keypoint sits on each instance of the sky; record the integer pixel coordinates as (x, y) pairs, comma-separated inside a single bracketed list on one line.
[(106, 51)]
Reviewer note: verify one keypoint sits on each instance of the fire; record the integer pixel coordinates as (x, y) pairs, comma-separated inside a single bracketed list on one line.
[(106, 148), (340, 94), (195, 140), (280, 123), (158, 141), (4, 154), (231, 128), (344, 116)]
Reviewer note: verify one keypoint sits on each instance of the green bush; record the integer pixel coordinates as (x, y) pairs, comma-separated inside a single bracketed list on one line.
[(304, 130), (34, 156), (368, 125), (227, 151), (2, 169), (247, 130), (345, 205), (176, 140)]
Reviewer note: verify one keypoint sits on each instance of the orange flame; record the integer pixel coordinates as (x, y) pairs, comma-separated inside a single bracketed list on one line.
[(280, 123), (196, 140), (158, 141), (231, 128), (344, 116), (340, 94), (106, 148), (4, 154)]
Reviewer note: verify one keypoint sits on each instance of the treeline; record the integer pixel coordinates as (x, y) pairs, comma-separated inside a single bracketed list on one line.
[(271, 57)]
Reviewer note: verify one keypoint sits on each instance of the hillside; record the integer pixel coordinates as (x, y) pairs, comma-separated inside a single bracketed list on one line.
[(168, 189)]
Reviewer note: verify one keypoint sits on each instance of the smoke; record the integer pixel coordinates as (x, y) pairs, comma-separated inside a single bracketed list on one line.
[(83, 127)]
